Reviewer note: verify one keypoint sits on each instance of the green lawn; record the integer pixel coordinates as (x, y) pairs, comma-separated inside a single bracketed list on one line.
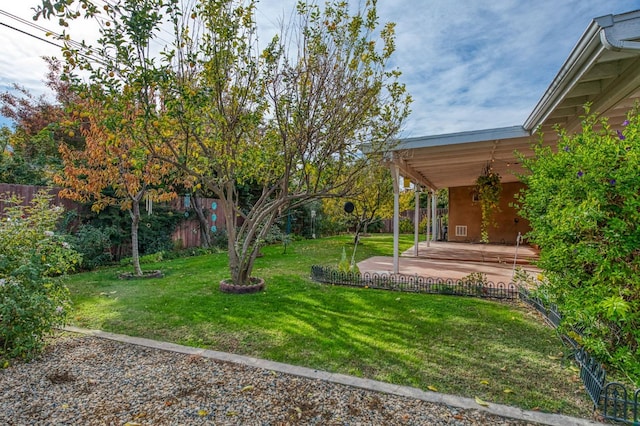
[(499, 352)]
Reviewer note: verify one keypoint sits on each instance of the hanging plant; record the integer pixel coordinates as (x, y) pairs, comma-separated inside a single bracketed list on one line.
[(488, 190)]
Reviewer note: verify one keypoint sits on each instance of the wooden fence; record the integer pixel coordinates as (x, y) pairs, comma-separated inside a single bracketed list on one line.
[(186, 235), (28, 192)]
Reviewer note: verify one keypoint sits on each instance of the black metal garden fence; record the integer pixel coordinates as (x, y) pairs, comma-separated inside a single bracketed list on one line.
[(613, 399), (416, 283)]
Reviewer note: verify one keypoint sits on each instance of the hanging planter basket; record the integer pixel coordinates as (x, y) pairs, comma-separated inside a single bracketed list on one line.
[(488, 189)]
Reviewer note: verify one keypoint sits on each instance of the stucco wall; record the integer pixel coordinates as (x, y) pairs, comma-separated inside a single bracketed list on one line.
[(464, 211)]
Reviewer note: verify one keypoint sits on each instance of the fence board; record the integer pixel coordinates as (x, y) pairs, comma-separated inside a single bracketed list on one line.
[(186, 235)]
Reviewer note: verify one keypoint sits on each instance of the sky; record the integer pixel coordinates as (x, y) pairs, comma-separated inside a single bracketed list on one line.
[(468, 64)]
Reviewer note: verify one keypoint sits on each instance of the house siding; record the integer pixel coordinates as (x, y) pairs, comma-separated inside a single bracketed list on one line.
[(464, 211)]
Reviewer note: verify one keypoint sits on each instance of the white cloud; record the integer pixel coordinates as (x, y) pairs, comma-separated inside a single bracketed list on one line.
[(468, 65)]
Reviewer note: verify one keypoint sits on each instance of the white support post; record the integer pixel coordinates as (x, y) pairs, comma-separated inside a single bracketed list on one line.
[(395, 172), (416, 223), (428, 221), (434, 213)]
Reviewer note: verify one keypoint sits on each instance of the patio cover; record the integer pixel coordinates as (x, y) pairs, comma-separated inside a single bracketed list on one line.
[(603, 69)]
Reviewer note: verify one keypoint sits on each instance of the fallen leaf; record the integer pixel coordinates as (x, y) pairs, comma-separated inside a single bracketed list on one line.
[(132, 424), (247, 388), (432, 388), (481, 402), (232, 413), (202, 413), (508, 390), (574, 369), (554, 357), (484, 382)]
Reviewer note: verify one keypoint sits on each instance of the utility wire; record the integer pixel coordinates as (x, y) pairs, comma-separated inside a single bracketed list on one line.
[(30, 35), (82, 48)]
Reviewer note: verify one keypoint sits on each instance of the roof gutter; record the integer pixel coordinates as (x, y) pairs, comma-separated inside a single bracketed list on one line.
[(609, 32), (610, 39)]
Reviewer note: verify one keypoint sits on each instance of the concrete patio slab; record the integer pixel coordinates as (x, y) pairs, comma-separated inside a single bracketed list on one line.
[(458, 260)]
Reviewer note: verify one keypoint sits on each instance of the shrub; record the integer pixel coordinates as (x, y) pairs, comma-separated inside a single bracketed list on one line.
[(33, 259), (583, 202), (94, 245), (345, 265), (406, 226)]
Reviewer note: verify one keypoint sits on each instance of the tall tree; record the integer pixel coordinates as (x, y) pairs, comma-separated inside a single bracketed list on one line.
[(114, 169), (294, 119)]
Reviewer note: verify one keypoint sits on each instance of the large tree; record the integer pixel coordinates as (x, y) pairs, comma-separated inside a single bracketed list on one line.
[(113, 170), (298, 119)]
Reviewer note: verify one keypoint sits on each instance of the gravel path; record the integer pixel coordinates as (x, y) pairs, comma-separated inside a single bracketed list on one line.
[(91, 381)]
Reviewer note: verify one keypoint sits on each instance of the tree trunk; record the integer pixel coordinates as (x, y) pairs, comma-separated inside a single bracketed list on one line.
[(205, 234), (227, 202), (135, 221)]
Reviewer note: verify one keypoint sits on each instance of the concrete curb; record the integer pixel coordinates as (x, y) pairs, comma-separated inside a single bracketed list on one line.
[(372, 385)]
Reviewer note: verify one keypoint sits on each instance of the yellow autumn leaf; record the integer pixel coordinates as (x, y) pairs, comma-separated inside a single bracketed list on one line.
[(481, 402), (202, 413), (484, 382), (247, 388), (432, 388), (508, 390)]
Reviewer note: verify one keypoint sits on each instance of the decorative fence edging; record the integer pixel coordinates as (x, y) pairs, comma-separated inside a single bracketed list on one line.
[(613, 399), (416, 284)]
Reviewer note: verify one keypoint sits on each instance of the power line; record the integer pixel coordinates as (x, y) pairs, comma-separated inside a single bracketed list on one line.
[(81, 47), (37, 27), (30, 35)]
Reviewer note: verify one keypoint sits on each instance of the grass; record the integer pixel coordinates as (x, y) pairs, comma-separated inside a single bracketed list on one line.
[(498, 352)]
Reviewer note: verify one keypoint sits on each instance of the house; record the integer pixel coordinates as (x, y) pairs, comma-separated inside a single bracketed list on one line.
[(603, 69)]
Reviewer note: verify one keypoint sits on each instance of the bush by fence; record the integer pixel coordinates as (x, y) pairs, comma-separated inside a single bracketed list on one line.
[(185, 235), (613, 399)]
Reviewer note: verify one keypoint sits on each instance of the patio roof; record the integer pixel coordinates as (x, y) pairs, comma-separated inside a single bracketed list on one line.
[(603, 69)]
